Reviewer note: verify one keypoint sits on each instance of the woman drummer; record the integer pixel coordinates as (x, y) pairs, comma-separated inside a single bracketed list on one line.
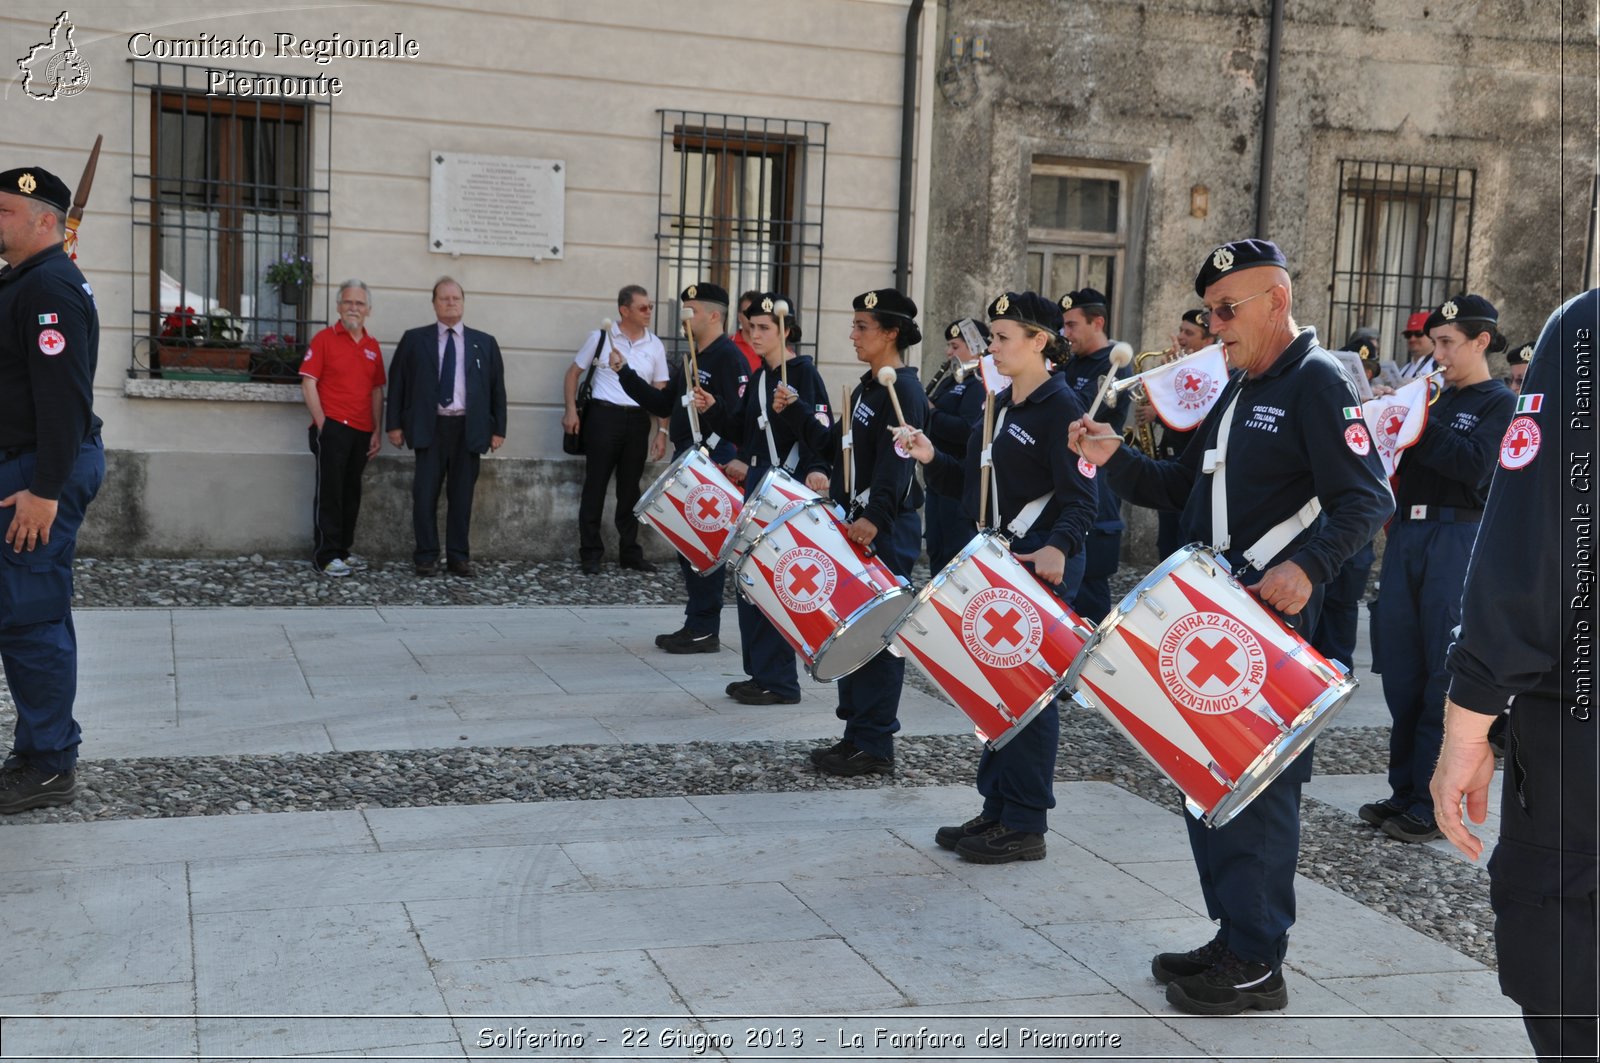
[(766, 444), (955, 408), (881, 508), (1441, 484), (1030, 462)]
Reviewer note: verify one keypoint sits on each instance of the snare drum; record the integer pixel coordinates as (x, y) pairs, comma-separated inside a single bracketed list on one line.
[(1209, 683), (695, 507), (992, 638), (776, 495), (830, 599)]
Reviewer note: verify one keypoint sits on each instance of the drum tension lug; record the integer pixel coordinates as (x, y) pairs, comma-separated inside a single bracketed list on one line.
[(1107, 666), (1220, 775), (1005, 712), (1149, 601)]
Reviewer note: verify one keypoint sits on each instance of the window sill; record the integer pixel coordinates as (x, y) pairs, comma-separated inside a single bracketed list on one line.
[(218, 391)]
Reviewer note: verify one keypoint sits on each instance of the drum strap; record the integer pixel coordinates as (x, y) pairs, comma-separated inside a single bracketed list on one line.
[(761, 417), (1024, 520), (1281, 534)]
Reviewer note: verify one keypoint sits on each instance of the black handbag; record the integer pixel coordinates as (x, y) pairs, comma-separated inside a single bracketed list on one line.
[(572, 442)]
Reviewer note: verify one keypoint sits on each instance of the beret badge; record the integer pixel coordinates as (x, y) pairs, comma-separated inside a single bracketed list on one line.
[(27, 184), (955, 331), (870, 301), (692, 292), (1222, 259), (1002, 304), (1449, 310), (1066, 302), (766, 305)]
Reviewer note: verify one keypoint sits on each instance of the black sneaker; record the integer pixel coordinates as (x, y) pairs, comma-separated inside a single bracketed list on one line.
[(24, 786), (688, 642), (840, 748), (1169, 965), (1000, 845), (755, 694), (662, 640), (1379, 811), (950, 837), (1408, 828), (853, 761), (1229, 987), (732, 689)]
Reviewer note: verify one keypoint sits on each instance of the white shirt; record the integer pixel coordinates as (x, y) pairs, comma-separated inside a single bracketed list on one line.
[(645, 356), (1421, 367), (457, 389)]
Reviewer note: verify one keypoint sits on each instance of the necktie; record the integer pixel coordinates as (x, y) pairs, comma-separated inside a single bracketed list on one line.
[(447, 370)]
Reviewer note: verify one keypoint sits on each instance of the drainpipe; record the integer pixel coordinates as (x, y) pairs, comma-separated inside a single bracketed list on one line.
[(1269, 123), (908, 106)]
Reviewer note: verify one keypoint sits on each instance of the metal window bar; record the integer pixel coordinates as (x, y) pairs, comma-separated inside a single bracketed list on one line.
[(229, 190), (736, 209), (1402, 243)]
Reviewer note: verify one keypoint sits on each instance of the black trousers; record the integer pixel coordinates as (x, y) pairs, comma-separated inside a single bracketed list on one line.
[(446, 464), (616, 441), (341, 453)]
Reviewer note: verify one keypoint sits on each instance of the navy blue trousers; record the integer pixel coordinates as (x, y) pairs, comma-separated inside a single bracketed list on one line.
[(946, 530), (38, 644), (1335, 636), (449, 466), (767, 657), (1168, 537), (1017, 781), (1101, 554), (703, 613), (1247, 867), (869, 697), (1419, 605)]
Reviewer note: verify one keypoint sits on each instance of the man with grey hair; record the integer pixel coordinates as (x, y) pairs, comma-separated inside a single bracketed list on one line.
[(342, 379)]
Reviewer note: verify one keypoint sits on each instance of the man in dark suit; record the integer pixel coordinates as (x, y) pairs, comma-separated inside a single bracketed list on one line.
[(447, 402)]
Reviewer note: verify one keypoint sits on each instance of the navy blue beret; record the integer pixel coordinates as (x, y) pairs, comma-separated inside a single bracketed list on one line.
[(1082, 299), (705, 292), (1029, 308), (1461, 310), (1239, 255), (885, 301)]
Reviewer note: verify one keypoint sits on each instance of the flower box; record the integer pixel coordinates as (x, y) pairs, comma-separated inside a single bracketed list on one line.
[(182, 362)]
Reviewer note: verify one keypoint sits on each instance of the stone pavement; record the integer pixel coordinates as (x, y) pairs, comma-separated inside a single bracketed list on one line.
[(666, 927)]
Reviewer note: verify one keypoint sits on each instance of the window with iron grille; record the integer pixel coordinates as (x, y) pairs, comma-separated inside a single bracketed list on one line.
[(1401, 241), (234, 227), (741, 206)]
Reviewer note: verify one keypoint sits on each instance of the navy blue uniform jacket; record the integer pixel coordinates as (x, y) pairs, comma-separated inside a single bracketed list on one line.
[(1288, 443), (1451, 464), (1030, 459), (741, 418), (413, 401), (722, 370), (48, 353), (879, 464), (1083, 374)]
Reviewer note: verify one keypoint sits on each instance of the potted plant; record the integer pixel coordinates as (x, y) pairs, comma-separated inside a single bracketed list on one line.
[(203, 347), (293, 275), (277, 359)]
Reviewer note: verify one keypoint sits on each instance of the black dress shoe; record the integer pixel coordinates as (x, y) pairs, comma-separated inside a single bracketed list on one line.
[(639, 564), (463, 569), (591, 567), (430, 568)]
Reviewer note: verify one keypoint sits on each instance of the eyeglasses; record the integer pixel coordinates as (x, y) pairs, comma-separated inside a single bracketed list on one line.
[(1411, 335), (1228, 311)]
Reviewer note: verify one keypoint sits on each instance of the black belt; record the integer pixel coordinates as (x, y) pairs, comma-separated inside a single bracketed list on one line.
[(1443, 514)]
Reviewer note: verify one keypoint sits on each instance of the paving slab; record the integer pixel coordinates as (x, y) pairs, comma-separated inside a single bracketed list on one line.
[(471, 826), (131, 1020), (1349, 792), (796, 977), (1455, 1014)]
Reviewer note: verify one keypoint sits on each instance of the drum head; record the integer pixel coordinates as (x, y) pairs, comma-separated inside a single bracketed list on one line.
[(862, 636), (1281, 753)]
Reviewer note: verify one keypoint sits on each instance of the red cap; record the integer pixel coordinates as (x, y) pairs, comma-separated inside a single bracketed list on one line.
[(1416, 322)]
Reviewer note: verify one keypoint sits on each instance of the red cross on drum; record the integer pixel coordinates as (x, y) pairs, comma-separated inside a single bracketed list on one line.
[(1210, 685), (827, 596), (695, 508)]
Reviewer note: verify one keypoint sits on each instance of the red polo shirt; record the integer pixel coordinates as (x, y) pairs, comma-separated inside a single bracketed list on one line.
[(345, 372), (748, 351)]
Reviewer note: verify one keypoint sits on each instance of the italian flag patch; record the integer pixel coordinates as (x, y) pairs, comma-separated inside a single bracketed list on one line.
[(47, 319), (1529, 403), (1352, 413)]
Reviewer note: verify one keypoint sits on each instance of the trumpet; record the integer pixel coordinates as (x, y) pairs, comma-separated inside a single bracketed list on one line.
[(1143, 436)]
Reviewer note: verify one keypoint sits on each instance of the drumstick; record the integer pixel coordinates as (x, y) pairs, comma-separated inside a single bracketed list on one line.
[(694, 357), (846, 451), (780, 310), (985, 465), (1121, 355), (886, 377)]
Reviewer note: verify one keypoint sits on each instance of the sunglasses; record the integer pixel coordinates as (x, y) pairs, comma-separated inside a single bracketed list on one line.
[(1411, 335), (1226, 312)]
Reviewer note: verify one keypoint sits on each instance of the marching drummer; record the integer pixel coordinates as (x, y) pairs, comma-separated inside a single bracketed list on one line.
[(1441, 485), (767, 443), (1041, 498), (881, 507), (1306, 491), (955, 408), (721, 370)]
